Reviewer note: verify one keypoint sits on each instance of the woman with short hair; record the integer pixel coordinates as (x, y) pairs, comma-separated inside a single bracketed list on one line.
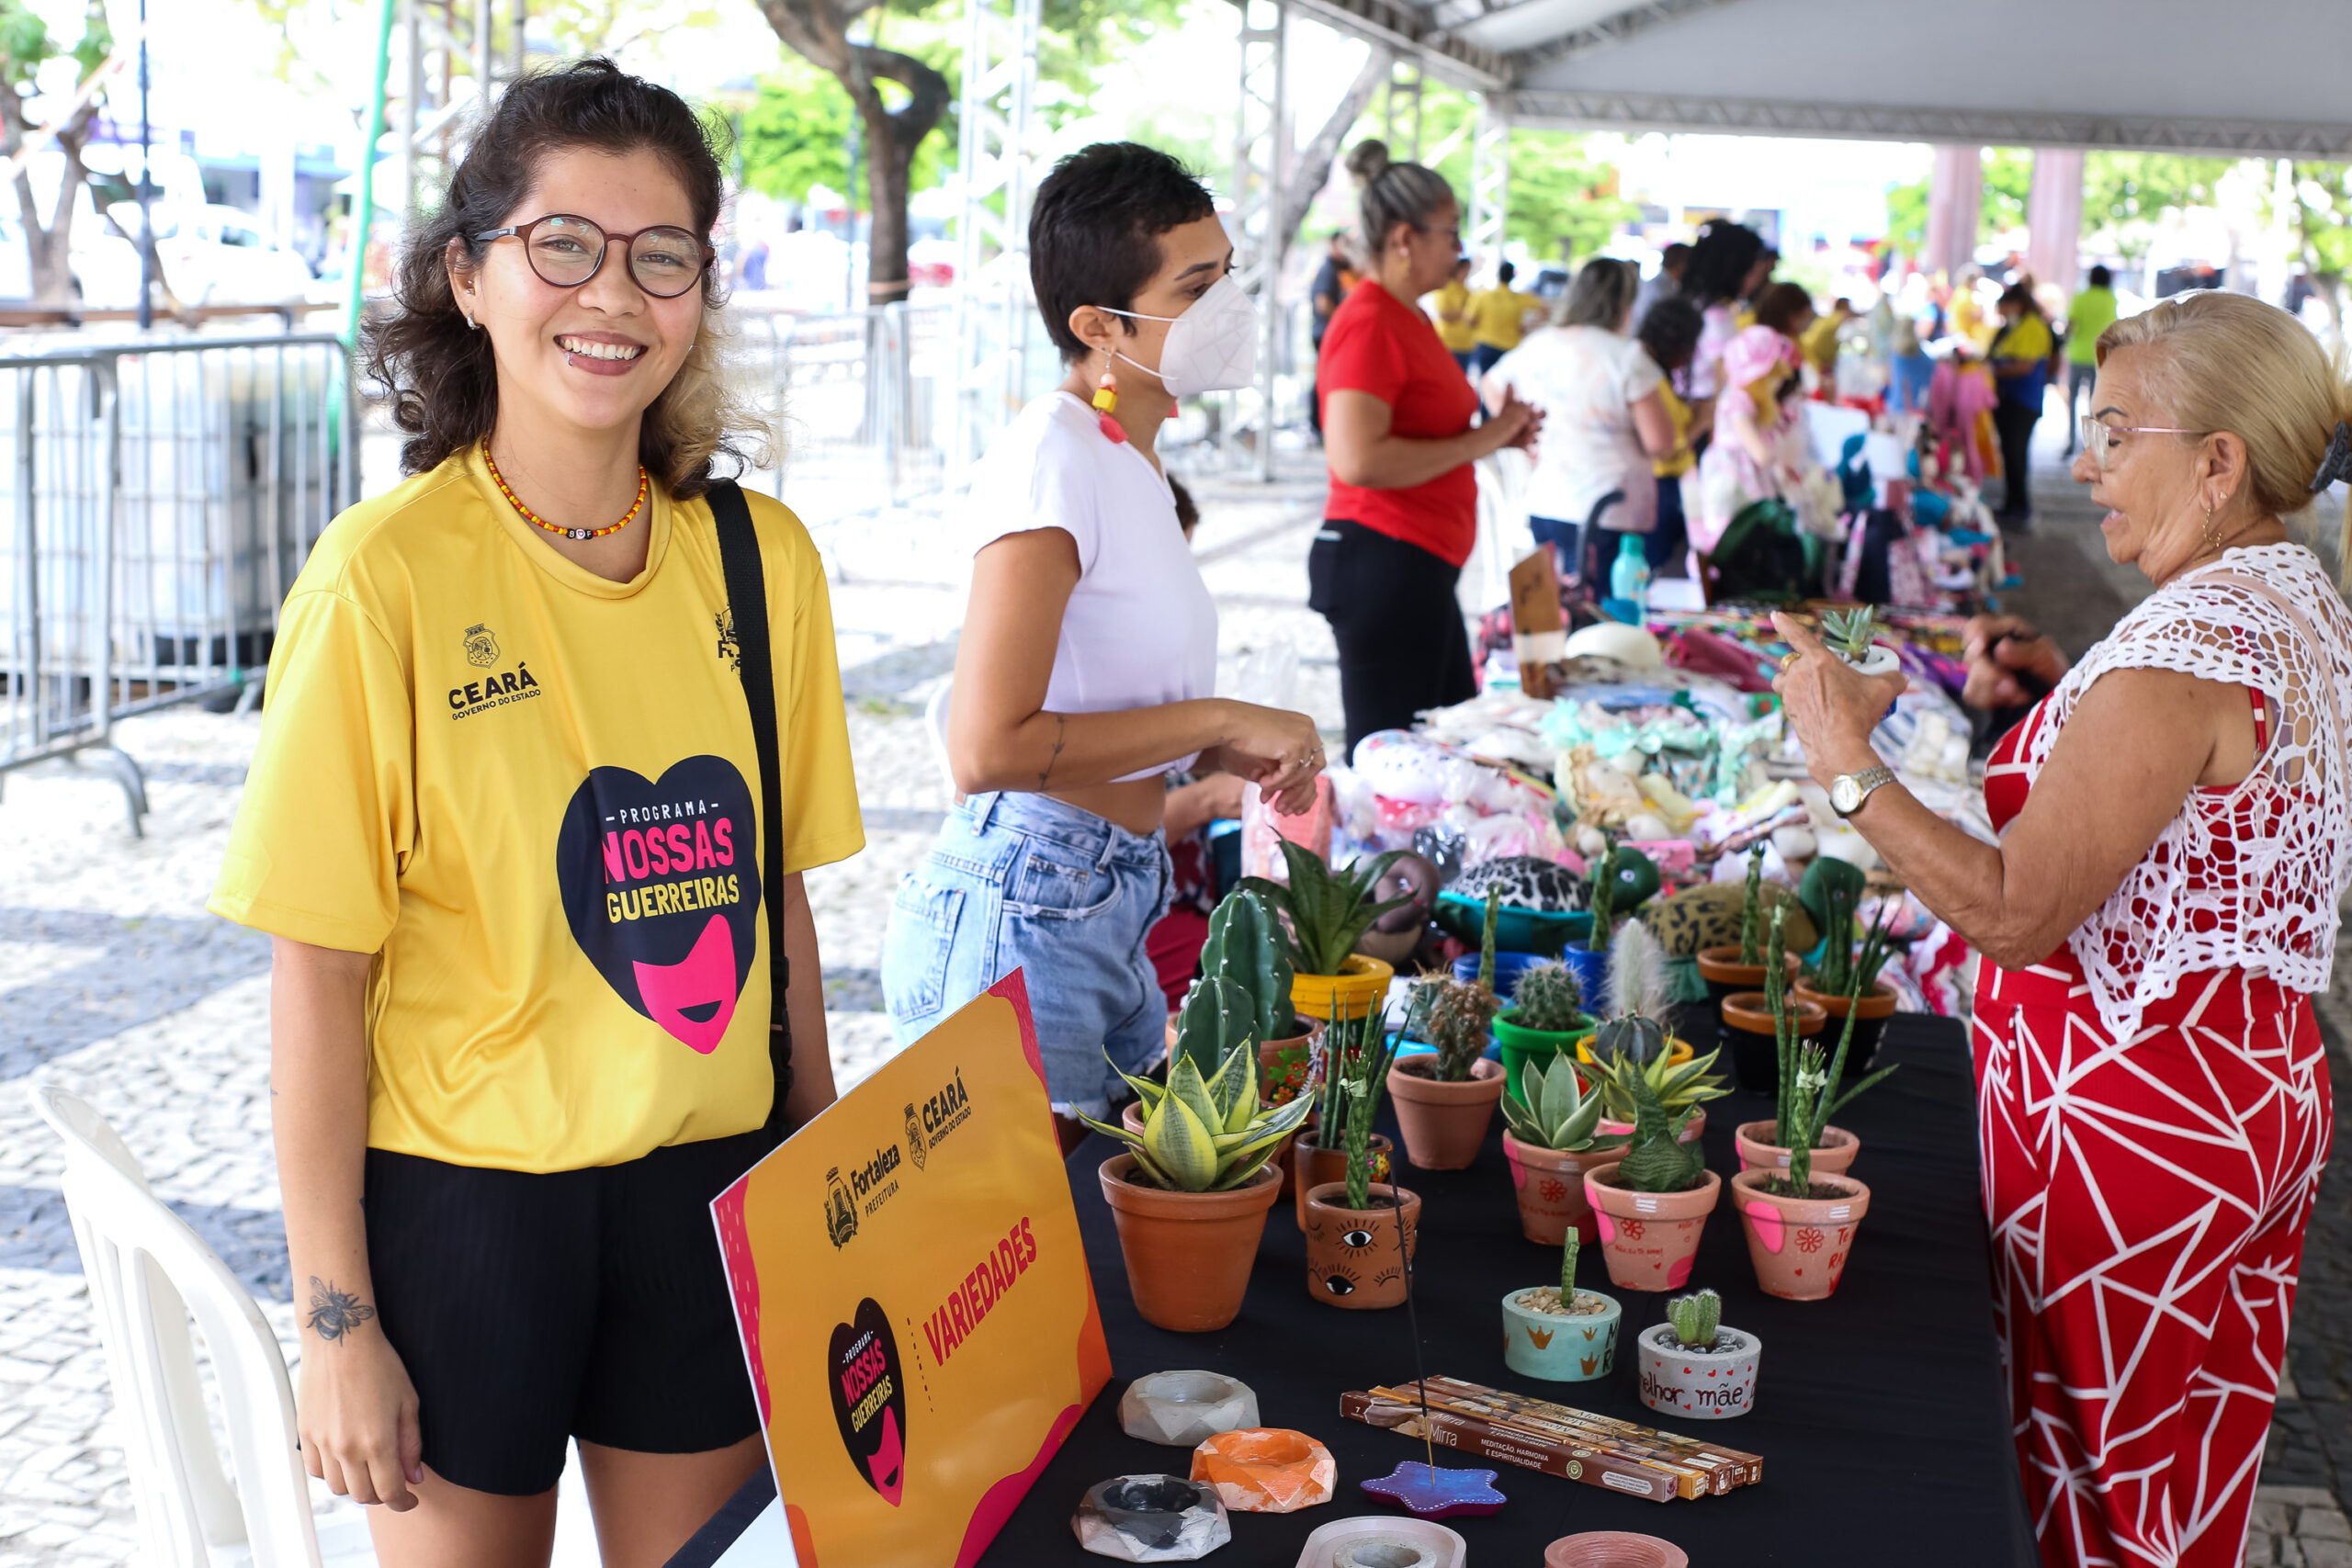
[(1603, 422), (1402, 511), (507, 826), (1087, 668), (2176, 836)]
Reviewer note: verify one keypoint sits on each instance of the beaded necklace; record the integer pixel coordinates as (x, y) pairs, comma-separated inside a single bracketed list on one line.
[(644, 487)]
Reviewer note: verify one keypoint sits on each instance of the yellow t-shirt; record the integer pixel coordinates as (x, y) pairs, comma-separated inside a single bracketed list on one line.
[(533, 793), (1677, 463), (1498, 316), (1820, 343), (1459, 335)]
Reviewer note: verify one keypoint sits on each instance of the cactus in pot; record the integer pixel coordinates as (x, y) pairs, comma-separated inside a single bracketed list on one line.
[(1445, 1099), (1695, 1317), (1651, 1205), (1751, 903), (1553, 1135), (1694, 1365), (1246, 946), (1548, 999)]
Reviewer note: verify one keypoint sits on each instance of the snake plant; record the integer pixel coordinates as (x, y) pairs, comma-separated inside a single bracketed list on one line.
[(1329, 910)]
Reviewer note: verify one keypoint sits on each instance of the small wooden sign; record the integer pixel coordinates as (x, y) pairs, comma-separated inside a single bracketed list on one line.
[(1537, 626)]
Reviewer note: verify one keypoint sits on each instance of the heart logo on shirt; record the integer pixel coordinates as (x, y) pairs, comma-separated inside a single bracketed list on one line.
[(869, 1392), (661, 884)]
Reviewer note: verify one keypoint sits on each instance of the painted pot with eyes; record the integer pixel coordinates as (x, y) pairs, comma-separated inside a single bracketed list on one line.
[(1354, 1256)]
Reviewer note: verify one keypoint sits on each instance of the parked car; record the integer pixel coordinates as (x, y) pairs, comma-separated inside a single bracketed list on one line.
[(218, 255)]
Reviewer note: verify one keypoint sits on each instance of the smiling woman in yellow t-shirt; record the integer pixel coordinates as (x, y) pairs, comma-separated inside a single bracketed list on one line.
[(506, 827)]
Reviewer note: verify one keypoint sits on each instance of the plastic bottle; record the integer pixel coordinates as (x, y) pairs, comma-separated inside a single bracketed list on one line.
[(1629, 579)]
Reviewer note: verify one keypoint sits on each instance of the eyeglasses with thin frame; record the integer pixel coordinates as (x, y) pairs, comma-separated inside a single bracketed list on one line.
[(2095, 429), (566, 250)]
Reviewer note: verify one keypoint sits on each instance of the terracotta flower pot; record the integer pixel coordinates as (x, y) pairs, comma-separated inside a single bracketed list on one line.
[(1726, 976), (1614, 1549), (1698, 1386), (1360, 983), (1550, 1186), (1689, 1135), (1279, 1080), (1443, 1123), (1871, 1013), (1747, 1030), (1799, 1245), (1649, 1239), (1559, 1347), (1188, 1254), (1351, 1254), (1758, 1152), (1522, 1045), (1312, 1167)]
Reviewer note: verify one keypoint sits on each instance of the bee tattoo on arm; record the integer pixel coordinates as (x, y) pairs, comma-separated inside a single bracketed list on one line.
[(333, 1312)]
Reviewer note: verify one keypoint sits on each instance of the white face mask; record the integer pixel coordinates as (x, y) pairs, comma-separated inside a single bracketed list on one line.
[(1212, 347)]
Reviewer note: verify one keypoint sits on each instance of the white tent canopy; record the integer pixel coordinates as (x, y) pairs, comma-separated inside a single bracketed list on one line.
[(2264, 77)]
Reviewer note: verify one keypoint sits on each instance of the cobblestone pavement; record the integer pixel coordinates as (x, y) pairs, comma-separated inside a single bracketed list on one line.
[(114, 983)]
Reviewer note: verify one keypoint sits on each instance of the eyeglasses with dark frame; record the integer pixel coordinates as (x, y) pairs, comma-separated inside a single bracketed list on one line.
[(566, 250)]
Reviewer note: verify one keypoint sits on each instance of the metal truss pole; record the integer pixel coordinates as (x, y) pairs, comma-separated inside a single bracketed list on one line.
[(992, 269), (1258, 157), (1483, 235), (1401, 110)]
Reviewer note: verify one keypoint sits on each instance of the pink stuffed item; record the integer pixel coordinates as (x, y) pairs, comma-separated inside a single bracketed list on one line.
[(1262, 824)]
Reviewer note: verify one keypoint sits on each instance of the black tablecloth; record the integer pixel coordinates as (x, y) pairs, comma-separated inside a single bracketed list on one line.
[(1879, 1413)]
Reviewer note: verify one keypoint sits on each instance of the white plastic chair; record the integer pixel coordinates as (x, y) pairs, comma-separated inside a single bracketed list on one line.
[(148, 1273)]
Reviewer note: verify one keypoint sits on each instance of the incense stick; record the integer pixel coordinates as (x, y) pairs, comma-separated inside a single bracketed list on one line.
[(1413, 1321)]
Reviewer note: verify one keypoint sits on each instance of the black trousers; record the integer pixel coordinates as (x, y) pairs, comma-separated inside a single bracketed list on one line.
[(2014, 422), (1391, 606)]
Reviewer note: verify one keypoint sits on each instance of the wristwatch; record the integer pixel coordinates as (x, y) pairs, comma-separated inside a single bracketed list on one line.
[(1847, 791)]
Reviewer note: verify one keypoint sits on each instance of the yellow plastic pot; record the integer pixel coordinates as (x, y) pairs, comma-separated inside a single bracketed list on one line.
[(1360, 985), (1677, 1051)]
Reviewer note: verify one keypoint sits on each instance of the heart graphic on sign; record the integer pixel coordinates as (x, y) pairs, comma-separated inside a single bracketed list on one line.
[(660, 885), (869, 1393)]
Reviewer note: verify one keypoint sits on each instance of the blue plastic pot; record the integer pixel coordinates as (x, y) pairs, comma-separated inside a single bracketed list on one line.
[(1508, 967), (1591, 971)]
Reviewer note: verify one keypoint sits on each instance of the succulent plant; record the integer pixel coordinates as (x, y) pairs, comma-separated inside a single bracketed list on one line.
[(1604, 901), (1559, 1112), (1678, 1085), (1656, 1160), (1568, 1270), (1246, 947), (1808, 1093), (1455, 1016), (1843, 967), (1851, 631), (1216, 1020), (1357, 1056), (1751, 933), (1696, 1318), (1631, 1038), (1548, 998), (1204, 1132), (1329, 910)]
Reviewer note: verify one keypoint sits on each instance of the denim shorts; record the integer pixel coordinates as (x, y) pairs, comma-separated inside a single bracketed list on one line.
[(1021, 881)]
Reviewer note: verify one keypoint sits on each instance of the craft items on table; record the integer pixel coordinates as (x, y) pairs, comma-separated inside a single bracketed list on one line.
[(1181, 1409), (1384, 1541), (1266, 1470), (1151, 1518), (1430, 1492), (1559, 1333), (1558, 1439)]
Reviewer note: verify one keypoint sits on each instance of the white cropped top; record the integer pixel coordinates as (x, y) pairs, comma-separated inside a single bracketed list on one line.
[(1140, 630)]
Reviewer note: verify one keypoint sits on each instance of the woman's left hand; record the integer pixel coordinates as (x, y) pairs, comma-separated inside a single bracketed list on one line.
[(1832, 705)]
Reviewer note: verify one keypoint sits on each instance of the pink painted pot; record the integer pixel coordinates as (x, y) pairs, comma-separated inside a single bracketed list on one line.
[(1649, 1239)]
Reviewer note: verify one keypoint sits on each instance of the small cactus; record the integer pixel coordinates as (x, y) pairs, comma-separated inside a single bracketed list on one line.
[(1695, 1318), (1851, 631), (1548, 998), (1455, 1020), (1634, 1038), (1568, 1273)]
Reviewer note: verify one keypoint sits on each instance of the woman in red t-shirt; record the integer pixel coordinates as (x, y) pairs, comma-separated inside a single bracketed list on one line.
[(1403, 508)]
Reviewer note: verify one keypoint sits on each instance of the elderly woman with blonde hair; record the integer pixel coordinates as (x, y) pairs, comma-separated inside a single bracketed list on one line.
[(2176, 831)]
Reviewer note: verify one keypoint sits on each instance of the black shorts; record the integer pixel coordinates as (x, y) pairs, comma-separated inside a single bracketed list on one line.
[(530, 1309)]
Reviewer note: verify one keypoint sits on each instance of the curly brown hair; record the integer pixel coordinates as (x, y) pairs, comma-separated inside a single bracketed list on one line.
[(440, 373)]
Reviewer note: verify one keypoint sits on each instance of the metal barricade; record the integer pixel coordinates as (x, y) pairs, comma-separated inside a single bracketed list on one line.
[(861, 403), (163, 496)]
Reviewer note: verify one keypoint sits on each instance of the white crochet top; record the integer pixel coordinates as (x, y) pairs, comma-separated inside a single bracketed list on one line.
[(2248, 878)]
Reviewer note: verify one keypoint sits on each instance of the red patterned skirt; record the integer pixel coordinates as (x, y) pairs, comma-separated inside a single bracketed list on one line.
[(2147, 1204)]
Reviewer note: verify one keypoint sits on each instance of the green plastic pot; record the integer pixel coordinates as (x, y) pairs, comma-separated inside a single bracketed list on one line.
[(1522, 1045)]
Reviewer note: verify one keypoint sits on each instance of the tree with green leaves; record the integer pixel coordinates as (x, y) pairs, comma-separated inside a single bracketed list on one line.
[(2126, 193), (26, 44)]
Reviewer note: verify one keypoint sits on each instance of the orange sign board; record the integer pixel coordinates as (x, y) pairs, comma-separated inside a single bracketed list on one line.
[(914, 1299)]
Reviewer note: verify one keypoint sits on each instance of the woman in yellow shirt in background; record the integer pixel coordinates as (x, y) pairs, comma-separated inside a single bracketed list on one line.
[(1454, 328), (507, 826), (1498, 318)]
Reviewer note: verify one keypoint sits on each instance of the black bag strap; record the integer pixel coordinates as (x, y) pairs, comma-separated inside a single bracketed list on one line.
[(747, 602)]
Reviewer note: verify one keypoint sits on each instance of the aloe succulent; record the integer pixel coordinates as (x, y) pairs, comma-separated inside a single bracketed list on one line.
[(1204, 1130), (1559, 1113), (1851, 631), (1656, 1160), (1329, 911), (1548, 998), (1696, 1318), (1678, 1087), (1247, 948)]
